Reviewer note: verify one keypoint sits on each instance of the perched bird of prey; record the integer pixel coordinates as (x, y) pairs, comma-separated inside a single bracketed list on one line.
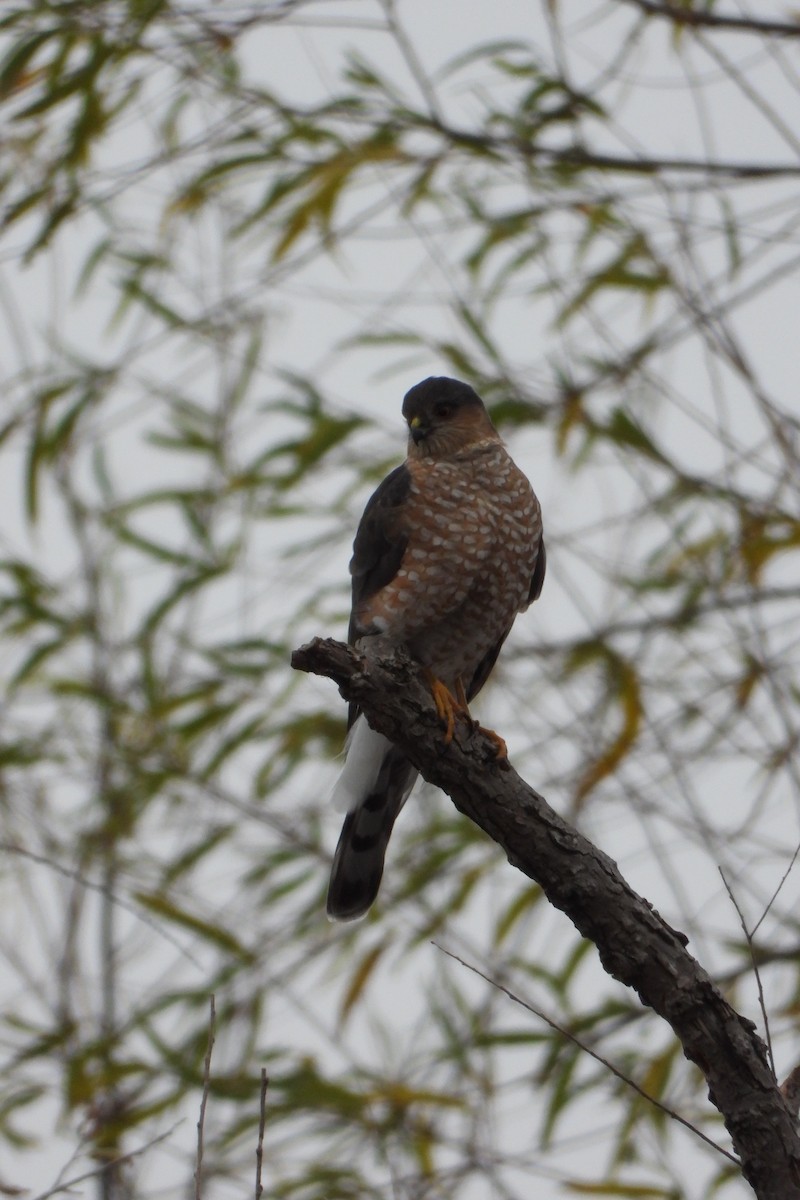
[(448, 551)]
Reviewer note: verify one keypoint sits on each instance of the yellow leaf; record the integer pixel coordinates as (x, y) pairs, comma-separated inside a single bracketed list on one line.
[(622, 686), (325, 182), (359, 980), (572, 414)]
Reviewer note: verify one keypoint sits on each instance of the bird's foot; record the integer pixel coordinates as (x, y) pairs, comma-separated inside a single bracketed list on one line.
[(498, 744), (448, 707)]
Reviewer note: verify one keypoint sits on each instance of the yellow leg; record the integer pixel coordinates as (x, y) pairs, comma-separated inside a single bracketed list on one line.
[(461, 695), (447, 706), (500, 748)]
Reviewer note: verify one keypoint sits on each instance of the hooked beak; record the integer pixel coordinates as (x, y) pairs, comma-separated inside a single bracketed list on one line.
[(417, 430)]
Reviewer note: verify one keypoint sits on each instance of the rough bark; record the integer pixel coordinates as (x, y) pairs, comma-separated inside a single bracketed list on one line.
[(635, 944)]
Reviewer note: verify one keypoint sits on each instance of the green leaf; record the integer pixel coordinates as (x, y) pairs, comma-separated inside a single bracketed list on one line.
[(561, 1090), (31, 663), (156, 550), (14, 66), (359, 979), (494, 51), (623, 688), (189, 858), (623, 430), (326, 434), (185, 587), (634, 268), (325, 182), (158, 904), (527, 899), (306, 1089)]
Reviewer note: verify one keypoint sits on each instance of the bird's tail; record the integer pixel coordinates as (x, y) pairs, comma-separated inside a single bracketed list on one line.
[(373, 787)]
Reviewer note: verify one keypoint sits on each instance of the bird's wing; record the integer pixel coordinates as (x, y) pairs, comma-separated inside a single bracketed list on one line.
[(537, 579), (377, 777), (378, 549), (380, 542), (484, 667)]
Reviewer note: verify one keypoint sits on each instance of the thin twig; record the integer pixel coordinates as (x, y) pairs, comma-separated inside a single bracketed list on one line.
[(694, 17), (92, 885), (777, 891), (63, 1186), (262, 1121), (212, 1026), (761, 1002), (670, 1112), (413, 63), (582, 159)]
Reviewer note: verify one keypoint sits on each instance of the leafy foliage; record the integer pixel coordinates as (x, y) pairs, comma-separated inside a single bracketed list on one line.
[(224, 263)]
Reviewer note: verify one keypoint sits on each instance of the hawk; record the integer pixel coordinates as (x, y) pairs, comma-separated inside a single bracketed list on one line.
[(448, 551)]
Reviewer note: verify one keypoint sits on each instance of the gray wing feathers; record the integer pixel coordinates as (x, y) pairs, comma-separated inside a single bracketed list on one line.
[(377, 778)]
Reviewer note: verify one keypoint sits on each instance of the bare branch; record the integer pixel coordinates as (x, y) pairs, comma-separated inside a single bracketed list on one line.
[(262, 1121), (579, 158), (587, 1049), (212, 1026), (80, 877), (748, 936), (67, 1185), (779, 888), (703, 19), (635, 944)]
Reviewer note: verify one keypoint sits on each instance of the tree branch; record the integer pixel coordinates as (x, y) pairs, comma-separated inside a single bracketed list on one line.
[(262, 1124), (636, 946), (201, 1120), (579, 158), (709, 20)]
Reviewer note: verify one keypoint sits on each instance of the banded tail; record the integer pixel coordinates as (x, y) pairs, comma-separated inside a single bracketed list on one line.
[(372, 788)]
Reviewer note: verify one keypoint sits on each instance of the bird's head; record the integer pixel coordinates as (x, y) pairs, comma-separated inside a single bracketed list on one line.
[(444, 417)]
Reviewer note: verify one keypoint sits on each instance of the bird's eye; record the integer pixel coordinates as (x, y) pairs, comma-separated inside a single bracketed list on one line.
[(444, 410)]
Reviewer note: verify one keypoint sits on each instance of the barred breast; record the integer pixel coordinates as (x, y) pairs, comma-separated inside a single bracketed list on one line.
[(473, 525)]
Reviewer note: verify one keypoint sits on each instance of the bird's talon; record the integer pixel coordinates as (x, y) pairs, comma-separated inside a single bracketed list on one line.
[(461, 698), (498, 744), (447, 707)]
